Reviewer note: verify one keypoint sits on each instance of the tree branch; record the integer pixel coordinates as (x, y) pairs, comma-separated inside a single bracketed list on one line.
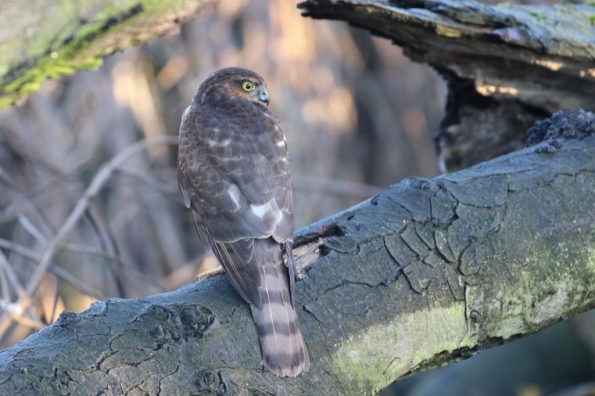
[(57, 38), (439, 269)]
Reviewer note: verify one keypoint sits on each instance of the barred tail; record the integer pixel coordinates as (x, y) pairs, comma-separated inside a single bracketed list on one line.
[(284, 351)]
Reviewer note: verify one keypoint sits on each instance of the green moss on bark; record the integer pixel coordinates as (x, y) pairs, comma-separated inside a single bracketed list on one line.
[(59, 39)]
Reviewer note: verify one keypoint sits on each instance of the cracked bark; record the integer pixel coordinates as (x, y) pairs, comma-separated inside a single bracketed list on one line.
[(506, 66), (426, 272)]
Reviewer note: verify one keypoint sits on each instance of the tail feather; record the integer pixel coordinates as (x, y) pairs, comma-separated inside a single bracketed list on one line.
[(284, 351), (256, 269)]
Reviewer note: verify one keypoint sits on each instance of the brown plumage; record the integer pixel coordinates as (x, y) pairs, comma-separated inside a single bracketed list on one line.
[(234, 173)]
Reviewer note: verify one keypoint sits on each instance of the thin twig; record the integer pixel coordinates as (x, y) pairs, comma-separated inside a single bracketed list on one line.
[(108, 244), (124, 264), (4, 285), (58, 271), (12, 277), (165, 189), (78, 248), (337, 187), (17, 311), (35, 233)]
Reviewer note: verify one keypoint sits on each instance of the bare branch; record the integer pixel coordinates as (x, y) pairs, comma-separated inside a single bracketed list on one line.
[(91, 192), (63, 274)]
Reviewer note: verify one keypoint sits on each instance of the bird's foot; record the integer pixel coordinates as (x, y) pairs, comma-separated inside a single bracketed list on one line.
[(203, 275)]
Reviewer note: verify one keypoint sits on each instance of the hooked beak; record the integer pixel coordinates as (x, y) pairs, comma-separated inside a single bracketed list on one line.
[(263, 96)]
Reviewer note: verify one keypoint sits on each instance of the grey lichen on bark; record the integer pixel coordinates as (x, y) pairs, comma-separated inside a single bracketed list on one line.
[(50, 39), (427, 272), (506, 66)]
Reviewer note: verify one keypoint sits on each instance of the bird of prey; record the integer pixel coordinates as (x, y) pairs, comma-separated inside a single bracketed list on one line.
[(234, 174)]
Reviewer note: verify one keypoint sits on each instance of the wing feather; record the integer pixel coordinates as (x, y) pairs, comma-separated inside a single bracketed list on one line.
[(242, 268)]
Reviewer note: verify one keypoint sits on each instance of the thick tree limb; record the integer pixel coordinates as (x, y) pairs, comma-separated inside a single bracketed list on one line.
[(437, 269), (506, 66), (51, 39)]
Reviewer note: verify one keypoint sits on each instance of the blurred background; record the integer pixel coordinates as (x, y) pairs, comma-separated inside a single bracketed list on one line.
[(358, 116)]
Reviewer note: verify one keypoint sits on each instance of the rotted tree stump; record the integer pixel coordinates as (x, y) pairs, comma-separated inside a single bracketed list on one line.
[(506, 66)]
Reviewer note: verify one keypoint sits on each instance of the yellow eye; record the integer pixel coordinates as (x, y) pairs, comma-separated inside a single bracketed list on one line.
[(248, 86)]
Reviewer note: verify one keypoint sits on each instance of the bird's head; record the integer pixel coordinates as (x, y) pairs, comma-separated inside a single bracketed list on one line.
[(237, 82)]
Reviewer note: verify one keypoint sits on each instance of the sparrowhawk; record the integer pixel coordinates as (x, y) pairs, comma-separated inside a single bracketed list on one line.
[(234, 174)]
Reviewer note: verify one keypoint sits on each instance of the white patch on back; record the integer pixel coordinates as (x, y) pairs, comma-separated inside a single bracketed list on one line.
[(281, 143), (234, 194), (223, 143), (260, 210)]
